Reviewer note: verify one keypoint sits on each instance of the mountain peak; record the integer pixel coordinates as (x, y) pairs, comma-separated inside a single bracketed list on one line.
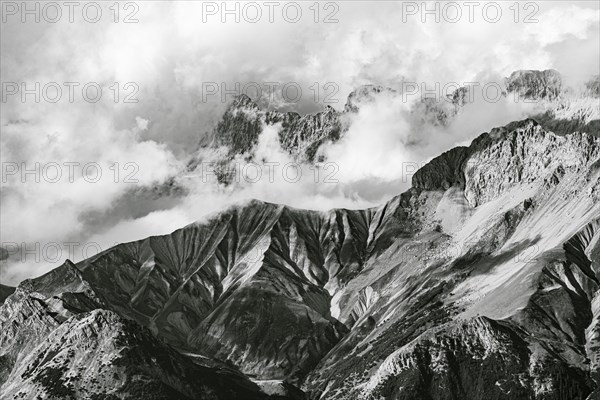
[(363, 95), (533, 84), (244, 101)]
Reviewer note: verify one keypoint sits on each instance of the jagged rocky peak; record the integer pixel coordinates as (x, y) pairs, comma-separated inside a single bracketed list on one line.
[(239, 129), (300, 135), (521, 152), (243, 101), (532, 84), (525, 154), (443, 171), (363, 95)]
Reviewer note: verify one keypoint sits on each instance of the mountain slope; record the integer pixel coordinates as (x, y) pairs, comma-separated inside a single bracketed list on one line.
[(498, 283), (59, 340), (480, 281)]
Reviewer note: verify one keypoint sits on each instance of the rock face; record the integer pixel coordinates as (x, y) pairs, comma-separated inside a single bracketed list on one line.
[(243, 121), (481, 281), (563, 110), (237, 135), (364, 95), (60, 341), (532, 84), (101, 355)]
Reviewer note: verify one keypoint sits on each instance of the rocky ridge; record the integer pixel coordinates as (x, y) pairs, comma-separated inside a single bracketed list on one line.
[(562, 110)]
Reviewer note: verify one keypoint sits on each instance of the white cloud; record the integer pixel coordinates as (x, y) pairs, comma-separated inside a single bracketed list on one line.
[(142, 123)]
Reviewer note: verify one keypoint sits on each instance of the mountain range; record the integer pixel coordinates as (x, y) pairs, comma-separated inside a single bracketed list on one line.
[(561, 109), (480, 281)]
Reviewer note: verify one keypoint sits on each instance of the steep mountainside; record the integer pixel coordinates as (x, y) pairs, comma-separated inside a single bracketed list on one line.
[(60, 341), (497, 300), (481, 281), (535, 84)]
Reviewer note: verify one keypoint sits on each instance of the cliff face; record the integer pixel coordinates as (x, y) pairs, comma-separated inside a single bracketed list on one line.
[(242, 123), (561, 109)]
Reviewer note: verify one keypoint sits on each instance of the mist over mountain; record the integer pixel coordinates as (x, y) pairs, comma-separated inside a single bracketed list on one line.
[(479, 281), (557, 106), (327, 149), (347, 200)]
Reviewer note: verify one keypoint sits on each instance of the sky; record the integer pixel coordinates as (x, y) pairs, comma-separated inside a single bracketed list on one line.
[(100, 109)]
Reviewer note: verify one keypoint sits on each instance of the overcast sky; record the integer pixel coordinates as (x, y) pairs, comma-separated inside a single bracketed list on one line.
[(166, 54)]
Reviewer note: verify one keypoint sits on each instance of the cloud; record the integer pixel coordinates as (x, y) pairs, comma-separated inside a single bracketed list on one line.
[(142, 124)]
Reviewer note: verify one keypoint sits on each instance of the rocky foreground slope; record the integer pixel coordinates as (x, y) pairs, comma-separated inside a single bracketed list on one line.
[(481, 281)]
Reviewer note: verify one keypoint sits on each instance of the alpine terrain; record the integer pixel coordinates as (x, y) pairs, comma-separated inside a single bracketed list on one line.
[(479, 282)]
